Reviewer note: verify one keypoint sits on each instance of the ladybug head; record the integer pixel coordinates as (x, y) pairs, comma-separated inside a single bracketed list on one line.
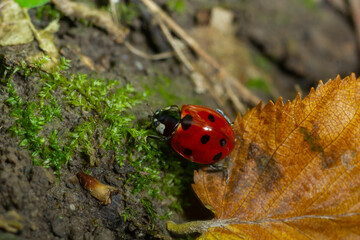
[(166, 120)]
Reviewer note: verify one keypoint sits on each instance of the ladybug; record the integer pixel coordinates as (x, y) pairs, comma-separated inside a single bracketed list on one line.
[(199, 134)]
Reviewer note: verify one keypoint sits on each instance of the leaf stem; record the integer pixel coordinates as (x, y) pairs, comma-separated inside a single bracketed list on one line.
[(189, 227)]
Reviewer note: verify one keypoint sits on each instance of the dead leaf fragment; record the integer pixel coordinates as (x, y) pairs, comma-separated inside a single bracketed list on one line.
[(45, 39), (98, 190), (294, 172), (11, 222), (100, 18), (14, 28)]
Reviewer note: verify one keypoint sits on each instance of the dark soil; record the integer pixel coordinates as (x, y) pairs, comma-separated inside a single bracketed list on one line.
[(303, 43)]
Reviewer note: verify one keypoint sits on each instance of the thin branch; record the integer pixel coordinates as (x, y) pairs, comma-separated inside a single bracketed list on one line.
[(201, 85), (113, 10), (228, 80), (145, 55), (100, 18), (355, 10), (177, 50)]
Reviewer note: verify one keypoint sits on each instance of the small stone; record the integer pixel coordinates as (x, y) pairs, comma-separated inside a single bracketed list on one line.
[(33, 227), (103, 234), (12, 158), (59, 227), (72, 207), (77, 230), (139, 65)]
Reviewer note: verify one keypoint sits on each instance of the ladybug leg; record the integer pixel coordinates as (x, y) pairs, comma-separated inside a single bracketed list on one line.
[(222, 167), (226, 167), (159, 138), (216, 167)]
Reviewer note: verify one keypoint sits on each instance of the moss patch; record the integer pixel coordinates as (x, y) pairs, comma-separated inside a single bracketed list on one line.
[(106, 129)]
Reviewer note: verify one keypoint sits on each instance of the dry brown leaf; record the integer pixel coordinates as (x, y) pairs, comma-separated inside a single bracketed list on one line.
[(11, 222), (14, 27), (294, 172), (98, 190)]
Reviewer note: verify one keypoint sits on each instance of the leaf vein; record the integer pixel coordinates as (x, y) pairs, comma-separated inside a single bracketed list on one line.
[(293, 180), (296, 127)]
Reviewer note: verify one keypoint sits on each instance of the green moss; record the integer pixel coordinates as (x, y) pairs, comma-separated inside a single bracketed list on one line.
[(310, 4), (262, 62), (31, 3), (177, 6), (107, 123), (163, 87), (47, 11), (258, 84), (127, 12), (30, 119)]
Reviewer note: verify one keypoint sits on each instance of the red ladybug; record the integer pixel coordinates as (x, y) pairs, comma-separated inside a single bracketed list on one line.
[(199, 134)]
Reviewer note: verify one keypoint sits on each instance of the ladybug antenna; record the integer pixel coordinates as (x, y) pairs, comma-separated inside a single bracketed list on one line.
[(149, 106)]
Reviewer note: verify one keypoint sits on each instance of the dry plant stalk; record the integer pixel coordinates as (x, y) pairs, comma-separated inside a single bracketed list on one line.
[(233, 88), (98, 17), (142, 54), (355, 11)]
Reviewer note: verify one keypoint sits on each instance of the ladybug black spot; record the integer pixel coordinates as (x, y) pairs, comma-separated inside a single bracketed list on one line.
[(187, 151), (186, 122), (211, 118), (222, 142), (217, 156), (205, 139)]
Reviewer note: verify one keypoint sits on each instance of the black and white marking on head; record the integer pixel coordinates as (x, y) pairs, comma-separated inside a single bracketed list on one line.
[(217, 156), (171, 108), (205, 139), (160, 127), (186, 122), (166, 120)]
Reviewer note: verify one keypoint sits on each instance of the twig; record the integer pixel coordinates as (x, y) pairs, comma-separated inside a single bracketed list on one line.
[(134, 50), (355, 10), (113, 10), (178, 52), (228, 80), (188, 65), (142, 54), (201, 85), (98, 17)]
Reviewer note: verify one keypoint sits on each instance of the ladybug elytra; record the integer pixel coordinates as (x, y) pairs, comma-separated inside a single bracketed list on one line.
[(199, 134)]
